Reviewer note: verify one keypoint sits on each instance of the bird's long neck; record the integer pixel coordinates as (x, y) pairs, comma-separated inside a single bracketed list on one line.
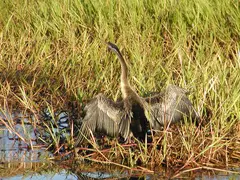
[(126, 89), (125, 86)]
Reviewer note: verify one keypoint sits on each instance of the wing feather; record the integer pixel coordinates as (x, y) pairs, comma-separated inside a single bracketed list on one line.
[(103, 115), (169, 106)]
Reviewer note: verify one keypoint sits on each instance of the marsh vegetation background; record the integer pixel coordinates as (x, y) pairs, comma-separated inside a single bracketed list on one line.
[(52, 54)]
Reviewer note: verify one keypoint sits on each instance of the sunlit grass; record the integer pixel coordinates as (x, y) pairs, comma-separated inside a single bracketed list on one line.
[(52, 53)]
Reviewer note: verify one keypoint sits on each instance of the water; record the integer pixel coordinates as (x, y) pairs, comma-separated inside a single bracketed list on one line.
[(21, 157), (61, 175)]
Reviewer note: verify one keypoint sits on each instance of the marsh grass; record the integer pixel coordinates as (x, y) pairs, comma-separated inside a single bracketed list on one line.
[(52, 53)]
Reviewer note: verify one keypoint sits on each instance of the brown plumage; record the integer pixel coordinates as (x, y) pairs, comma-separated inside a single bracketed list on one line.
[(133, 113)]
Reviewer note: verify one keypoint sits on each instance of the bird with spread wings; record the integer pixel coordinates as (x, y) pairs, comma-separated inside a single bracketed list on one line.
[(133, 113)]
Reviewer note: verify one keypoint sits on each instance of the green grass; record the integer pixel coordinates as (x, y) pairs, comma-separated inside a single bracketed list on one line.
[(52, 52)]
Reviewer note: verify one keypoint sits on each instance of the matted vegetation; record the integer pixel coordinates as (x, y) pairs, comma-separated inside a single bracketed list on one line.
[(52, 55)]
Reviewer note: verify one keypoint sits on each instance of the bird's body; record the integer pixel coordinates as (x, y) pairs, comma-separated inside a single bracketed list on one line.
[(133, 113)]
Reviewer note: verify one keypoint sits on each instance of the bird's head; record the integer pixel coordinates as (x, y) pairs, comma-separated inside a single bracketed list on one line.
[(113, 47)]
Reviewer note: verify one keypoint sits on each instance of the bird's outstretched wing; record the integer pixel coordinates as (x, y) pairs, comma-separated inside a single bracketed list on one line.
[(104, 115), (169, 106)]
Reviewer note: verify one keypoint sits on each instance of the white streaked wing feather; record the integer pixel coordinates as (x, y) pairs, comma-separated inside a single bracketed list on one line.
[(103, 115), (169, 106)]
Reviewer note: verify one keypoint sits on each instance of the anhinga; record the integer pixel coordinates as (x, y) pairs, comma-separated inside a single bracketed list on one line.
[(133, 113)]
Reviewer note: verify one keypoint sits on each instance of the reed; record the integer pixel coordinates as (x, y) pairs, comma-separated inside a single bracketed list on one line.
[(51, 54)]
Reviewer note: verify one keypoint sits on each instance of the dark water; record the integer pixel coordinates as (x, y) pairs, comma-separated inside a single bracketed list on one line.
[(27, 159)]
